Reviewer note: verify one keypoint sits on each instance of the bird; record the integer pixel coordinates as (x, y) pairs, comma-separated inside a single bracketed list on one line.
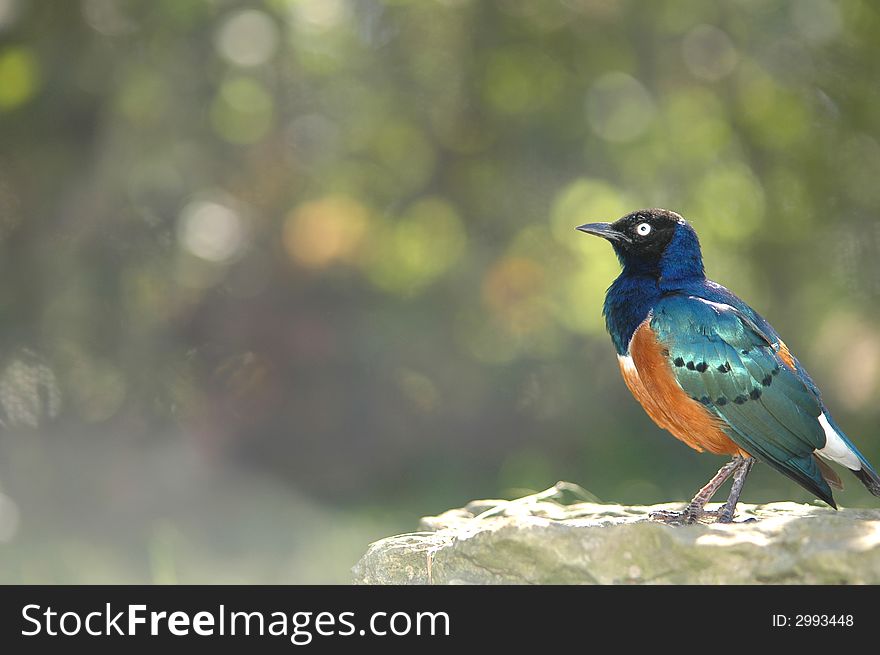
[(712, 371)]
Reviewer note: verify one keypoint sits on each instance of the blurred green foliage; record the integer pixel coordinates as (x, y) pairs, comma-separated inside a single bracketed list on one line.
[(332, 241)]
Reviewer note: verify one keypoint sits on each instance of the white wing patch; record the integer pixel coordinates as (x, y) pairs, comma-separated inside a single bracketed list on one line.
[(836, 449)]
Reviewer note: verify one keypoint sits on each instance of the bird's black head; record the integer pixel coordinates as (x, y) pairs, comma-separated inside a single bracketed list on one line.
[(656, 242)]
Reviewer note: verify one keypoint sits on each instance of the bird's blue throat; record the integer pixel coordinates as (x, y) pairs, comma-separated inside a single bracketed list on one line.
[(643, 282)]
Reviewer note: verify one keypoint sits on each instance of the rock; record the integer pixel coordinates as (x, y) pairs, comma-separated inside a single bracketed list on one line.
[(538, 540)]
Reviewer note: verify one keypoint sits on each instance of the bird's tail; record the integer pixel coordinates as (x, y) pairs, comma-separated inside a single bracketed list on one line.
[(869, 478), (866, 474)]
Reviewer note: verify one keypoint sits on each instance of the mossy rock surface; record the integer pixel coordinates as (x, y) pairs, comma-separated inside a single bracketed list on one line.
[(539, 541)]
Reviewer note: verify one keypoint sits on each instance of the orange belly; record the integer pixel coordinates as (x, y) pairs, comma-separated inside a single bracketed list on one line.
[(649, 377)]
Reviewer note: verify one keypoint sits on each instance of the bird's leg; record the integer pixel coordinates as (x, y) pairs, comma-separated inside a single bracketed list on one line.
[(739, 479), (695, 509)]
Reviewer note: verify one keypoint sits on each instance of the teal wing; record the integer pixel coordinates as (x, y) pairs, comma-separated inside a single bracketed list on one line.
[(723, 360)]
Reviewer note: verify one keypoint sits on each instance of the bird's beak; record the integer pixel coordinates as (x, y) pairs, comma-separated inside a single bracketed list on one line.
[(604, 230)]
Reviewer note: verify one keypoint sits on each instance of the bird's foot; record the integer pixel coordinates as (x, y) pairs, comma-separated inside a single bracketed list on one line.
[(691, 514)]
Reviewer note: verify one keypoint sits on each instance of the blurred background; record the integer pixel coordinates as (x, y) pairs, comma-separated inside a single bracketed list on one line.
[(278, 278)]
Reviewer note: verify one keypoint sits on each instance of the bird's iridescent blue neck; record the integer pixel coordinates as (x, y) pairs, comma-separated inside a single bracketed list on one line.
[(628, 302), (643, 282)]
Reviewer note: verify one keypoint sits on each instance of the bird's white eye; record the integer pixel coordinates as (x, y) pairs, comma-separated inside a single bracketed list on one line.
[(643, 229)]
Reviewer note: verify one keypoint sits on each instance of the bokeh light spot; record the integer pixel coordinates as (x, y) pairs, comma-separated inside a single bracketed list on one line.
[(318, 15), (729, 202), (322, 232), (586, 200), (211, 231), (18, 77), (619, 108), (243, 110), (417, 248), (247, 38)]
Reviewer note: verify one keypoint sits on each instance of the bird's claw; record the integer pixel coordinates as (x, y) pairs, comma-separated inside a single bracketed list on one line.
[(691, 515)]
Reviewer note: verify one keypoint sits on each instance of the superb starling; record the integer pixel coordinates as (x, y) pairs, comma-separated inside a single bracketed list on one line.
[(709, 369)]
